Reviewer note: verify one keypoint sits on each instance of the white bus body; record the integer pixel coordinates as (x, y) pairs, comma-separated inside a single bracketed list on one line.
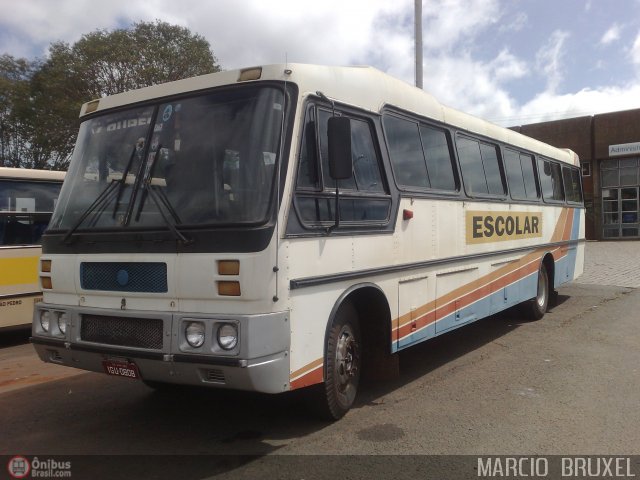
[(27, 198), (172, 259)]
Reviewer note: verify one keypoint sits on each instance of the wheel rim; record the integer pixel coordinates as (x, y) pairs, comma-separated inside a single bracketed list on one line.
[(347, 359), (541, 297)]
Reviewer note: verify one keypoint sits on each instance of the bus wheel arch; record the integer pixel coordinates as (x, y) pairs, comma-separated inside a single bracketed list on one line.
[(358, 332)]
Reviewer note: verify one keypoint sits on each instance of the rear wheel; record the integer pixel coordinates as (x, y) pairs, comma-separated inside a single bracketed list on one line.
[(337, 394), (535, 308)]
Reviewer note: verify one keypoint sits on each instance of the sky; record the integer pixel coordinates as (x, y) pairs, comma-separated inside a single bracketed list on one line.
[(512, 62)]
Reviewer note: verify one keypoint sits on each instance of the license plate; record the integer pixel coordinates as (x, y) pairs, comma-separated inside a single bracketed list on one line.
[(120, 368)]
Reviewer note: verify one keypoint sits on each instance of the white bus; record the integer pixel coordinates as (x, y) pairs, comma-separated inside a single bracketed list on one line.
[(197, 240), (27, 198)]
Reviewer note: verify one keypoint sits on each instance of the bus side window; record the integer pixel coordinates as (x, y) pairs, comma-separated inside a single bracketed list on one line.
[(437, 149), (572, 187), (551, 180), (480, 165), (308, 167), (405, 151), (366, 167), (315, 188), (521, 175)]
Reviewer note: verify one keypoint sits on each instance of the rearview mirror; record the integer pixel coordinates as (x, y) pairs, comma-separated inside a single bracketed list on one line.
[(339, 138)]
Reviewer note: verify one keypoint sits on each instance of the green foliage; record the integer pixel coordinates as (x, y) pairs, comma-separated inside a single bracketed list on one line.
[(14, 94), (40, 101)]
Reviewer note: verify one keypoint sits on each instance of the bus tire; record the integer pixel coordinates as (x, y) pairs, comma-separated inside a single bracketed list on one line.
[(535, 308), (342, 365)]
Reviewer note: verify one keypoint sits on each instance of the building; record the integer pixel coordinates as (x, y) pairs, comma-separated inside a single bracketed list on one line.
[(609, 148)]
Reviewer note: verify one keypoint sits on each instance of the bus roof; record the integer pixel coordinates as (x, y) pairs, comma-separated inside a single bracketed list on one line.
[(31, 174), (361, 86)]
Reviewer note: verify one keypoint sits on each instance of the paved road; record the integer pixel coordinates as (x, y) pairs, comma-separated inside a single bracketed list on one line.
[(567, 384), (612, 263)]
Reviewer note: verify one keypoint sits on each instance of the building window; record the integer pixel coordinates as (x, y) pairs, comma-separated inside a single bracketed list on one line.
[(586, 169), (620, 198)]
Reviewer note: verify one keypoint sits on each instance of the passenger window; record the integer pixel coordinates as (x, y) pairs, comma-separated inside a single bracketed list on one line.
[(481, 172), (363, 197), (551, 180), (308, 168), (366, 168), (521, 175), (439, 159), (420, 155), (529, 175), (572, 187), (405, 149)]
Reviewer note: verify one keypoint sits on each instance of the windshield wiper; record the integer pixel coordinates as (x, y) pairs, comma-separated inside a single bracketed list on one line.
[(98, 202), (125, 173), (103, 199), (160, 198)]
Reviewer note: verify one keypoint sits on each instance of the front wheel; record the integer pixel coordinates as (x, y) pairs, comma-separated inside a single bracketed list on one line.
[(342, 365), (535, 308)]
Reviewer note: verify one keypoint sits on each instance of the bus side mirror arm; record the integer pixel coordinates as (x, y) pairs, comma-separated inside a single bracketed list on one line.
[(340, 158)]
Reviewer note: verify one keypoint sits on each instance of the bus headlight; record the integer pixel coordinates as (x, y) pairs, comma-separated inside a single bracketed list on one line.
[(195, 334), (228, 336), (63, 321), (45, 320)]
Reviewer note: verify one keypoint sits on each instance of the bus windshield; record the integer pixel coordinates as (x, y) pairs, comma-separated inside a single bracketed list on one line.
[(205, 160)]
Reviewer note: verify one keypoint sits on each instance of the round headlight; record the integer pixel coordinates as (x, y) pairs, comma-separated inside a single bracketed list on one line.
[(228, 336), (195, 334), (63, 321), (45, 320)]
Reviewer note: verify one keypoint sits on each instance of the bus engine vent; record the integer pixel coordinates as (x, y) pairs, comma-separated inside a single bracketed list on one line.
[(145, 277), (124, 332)]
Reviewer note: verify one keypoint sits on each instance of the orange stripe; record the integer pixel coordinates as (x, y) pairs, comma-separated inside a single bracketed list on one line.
[(461, 297), (465, 296), (310, 378)]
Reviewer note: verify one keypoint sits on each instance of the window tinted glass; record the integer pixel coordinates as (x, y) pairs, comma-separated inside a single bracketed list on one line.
[(514, 174), (363, 197), (438, 154), (308, 168), (25, 210), (572, 188), (521, 175), (473, 176), (492, 169), (406, 153), (366, 167), (551, 180), (529, 175)]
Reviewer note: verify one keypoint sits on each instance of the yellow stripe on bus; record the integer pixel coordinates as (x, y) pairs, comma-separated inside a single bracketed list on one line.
[(19, 270)]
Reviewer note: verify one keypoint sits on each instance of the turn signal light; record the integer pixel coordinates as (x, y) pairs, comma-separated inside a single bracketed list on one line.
[(229, 289), (46, 283), (45, 266), (228, 267)]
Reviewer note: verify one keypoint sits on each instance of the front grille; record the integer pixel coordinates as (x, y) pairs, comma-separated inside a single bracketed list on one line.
[(124, 332), (145, 277)]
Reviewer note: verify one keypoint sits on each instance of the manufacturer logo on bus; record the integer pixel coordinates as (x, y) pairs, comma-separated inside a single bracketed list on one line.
[(484, 227)]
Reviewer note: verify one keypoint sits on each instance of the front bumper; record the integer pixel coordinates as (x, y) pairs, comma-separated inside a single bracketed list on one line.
[(260, 362)]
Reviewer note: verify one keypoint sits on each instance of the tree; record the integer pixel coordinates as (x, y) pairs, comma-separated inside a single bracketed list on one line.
[(14, 87), (104, 63)]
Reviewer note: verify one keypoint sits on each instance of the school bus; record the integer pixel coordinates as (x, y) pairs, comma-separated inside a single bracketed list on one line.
[(291, 226), (27, 198)]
